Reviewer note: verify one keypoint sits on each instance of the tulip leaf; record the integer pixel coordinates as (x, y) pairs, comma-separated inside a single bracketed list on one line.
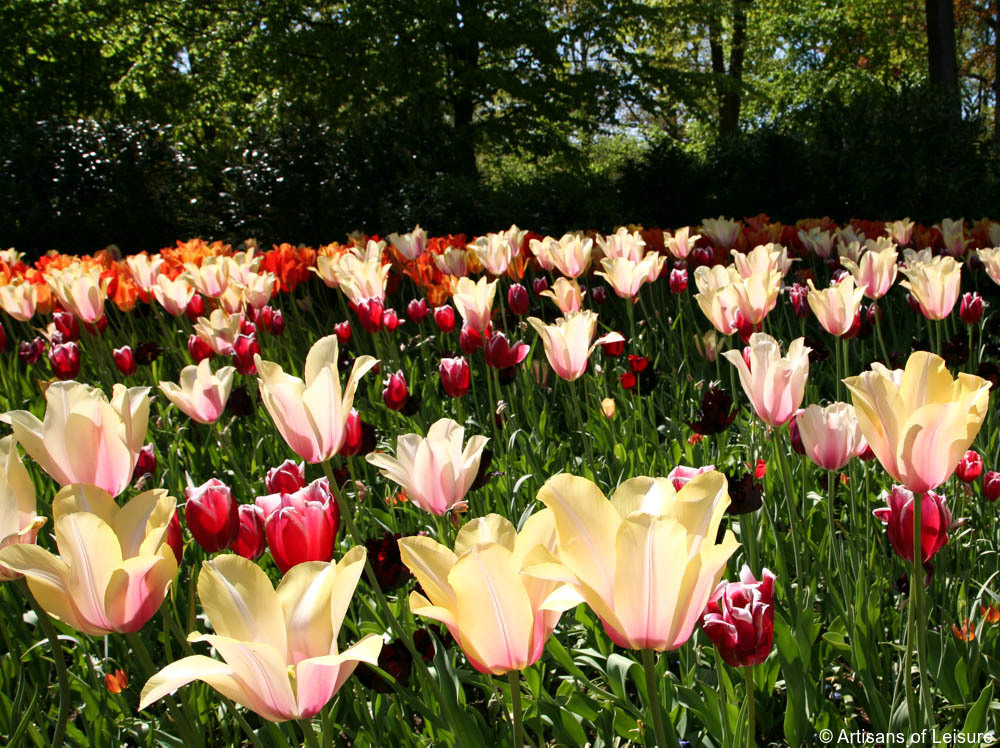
[(618, 668), (975, 720)]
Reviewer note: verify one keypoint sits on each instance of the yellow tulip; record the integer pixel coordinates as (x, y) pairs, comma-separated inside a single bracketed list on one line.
[(837, 306), (935, 285)]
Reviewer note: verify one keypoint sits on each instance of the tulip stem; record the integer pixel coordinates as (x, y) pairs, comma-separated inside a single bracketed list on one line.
[(917, 596), (653, 701), (751, 708), (793, 512), (308, 733), (514, 679), (62, 676)]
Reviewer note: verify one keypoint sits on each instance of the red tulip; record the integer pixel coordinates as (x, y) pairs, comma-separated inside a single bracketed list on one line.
[(245, 347), (146, 353), (417, 310), (500, 354), (175, 537), (125, 360), (898, 516), (469, 340), (343, 332), (614, 348), (971, 310), (195, 308), (211, 515), (798, 294), (3, 339), (991, 485), (391, 320), (538, 285), (383, 553), (66, 325), (628, 380), (678, 280), (98, 328), (30, 351), (247, 327), (146, 464), (970, 466), (518, 300), (369, 313), (276, 326), (739, 619), (302, 529), (455, 376), (359, 437), (199, 349), (288, 477), (395, 392), (251, 540), (65, 360), (444, 318), (637, 364), (599, 294)]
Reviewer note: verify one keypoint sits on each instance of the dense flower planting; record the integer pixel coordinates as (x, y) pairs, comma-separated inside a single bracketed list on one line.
[(647, 488)]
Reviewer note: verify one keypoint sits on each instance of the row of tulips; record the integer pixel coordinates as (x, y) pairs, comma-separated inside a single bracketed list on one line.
[(475, 476)]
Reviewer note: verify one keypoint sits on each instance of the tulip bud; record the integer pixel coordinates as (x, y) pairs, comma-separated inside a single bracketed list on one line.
[(518, 300), (682, 474), (195, 308), (898, 516), (251, 540), (970, 466), (199, 349), (500, 354), (359, 437), (628, 380), (245, 347), (793, 433), (971, 310), (739, 619), (395, 393), (146, 464), (991, 485), (343, 332), (302, 529), (599, 294), (455, 374), (444, 318), (383, 553), (799, 295), (637, 364), (369, 313), (390, 320), (608, 407), (211, 515), (614, 349), (65, 360), (469, 340), (678, 280), (175, 537), (288, 477), (66, 325), (146, 353), (125, 360), (417, 310), (539, 284), (30, 351)]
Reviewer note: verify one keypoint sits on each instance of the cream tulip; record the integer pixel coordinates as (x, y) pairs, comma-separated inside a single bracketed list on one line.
[(410, 245), (627, 277), (568, 342), (219, 330), (173, 295), (18, 522), (630, 246), (571, 255), (837, 306), (211, 278), (81, 291), (566, 294), (831, 436), (775, 385), (681, 243), (145, 270), (201, 395), (474, 301), (875, 272), (935, 285), (19, 300)]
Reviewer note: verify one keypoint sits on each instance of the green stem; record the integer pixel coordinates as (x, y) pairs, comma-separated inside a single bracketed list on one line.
[(62, 676), (793, 512), (308, 733), (514, 679), (751, 708), (653, 701), (917, 594)]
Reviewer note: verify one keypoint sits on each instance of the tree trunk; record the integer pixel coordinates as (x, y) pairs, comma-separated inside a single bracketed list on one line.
[(942, 65), (729, 82), (996, 72)]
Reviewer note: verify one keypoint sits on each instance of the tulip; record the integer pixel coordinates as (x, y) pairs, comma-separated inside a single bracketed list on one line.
[(935, 285), (411, 245), (739, 619), (144, 270), (245, 349), (566, 294), (540, 285), (799, 296), (390, 320), (343, 332), (114, 565), (276, 324), (302, 528), (173, 295), (19, 300), (211, 515), (383, 552), (278, 646), (64, 359), (125, 361), (286, 478), (837, 306), (28, 352), (395, 392), (682, 243), (971, 310), (494, 252), (211, 278), (199, 349), (311, 414), (678, 280), (717, 296), (500, 354), (608, 407), (84, 437), (722, 231), (990, 257), (444, 318), (953, 234), (571, 254), (195, 308), (498, 612), (201, 395), (757, 294), (991, 485), (454, 373), (716, 412), (369, 313), (774, 384), (146, 353), (708, 345), (647, 561), (452, 262), (251, 541), (630, 246), (18, 522), (175, 537), (146, 464), (681, 475), (359, 437), (568, 342), (219, 330), (900, 231), (417, 310), (435, 471), (831, 436), (469, 340), (517, 299), (627, 277), (875, 272), (81, 292), (919, 421), (614, 348), (898, 516), (817, 241), (970, 466), (258, 289)]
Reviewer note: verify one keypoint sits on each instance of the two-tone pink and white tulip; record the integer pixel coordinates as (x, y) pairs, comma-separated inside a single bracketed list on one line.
[(774, 384), (474, 301), (875, 272), (570, 341), (200, 394), (831, 436), (837, 306), (935, 285), (19, 524)]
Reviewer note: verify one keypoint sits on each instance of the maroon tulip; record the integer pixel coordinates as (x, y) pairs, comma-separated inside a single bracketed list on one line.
[(66, 325), (146, 464), (539, 284), (991, 485), (125, 360), (798, 294), (455, 376), (247, 327), (678, 280), (444, 318), (395, 392), (146, 353), (394, 659), (211, 515), (500, 354), (599, 294), (793, 433), (30, 351), (251, 540), (898, 516), (470, 340), (175, 537), (970, 466), (739, 619), (288, 477), (199, 349), (518, 300), (716, 412), (244, 348), (391, 320), (65, 360), (302, 529), (867, 454), (195, 308), (276, 325), (343, 332), (971, 310), (369, 313), (417, 310), (614, 349), (383, 553), (700, 256), (3, 339)]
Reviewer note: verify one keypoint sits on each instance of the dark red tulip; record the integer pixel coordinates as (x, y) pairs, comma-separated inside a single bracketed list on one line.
[(637, 364), (898, 517), (793, 433), (288, 477), (240, 404), (394, 659), (276, 326), (66, 325), (991, 485), (302, 529), (195, 308), (247, 327), (455, 376), (678, 280), (444, 318), (251, 540), (244, 348), (518, 300), (395, 392), (343, 332), (199, 349), (146, 464), (700, 256), (470, 340), (125, 360), (417, 310), (29, 351), (211, 515), (383, 553), (628, 380), (175, 537), (146, 353), (599, 294), (500, 354), (969, 467), (614, 348), (539, 284), (798, 294), (739, 619), (359, 437), (65, 360), (745, 493), (369, 313), (716, 412), (971, 310), (98, 328), (3, 339), (867, 453)]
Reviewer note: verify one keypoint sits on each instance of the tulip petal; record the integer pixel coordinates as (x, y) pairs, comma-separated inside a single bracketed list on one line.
[(305, 600), (348, 570), (430, 563), (142, 523), (81, 497), (90, 548), (319, 678), (48, 579), (137, 589), (492, 528)]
